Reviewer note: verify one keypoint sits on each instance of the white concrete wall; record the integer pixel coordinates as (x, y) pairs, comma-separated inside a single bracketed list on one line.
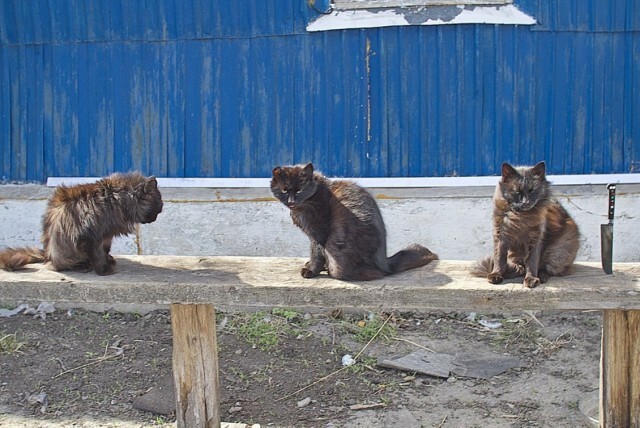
[(453, 222)]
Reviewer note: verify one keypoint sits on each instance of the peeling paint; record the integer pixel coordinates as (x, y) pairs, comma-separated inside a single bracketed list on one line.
[(442, 14), (431, 15)]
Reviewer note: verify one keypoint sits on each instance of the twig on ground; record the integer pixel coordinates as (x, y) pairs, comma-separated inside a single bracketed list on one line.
[(340, 369), (533, 317), (367, 406), (99, 360), (372, 369), (105, 357), (373, 337), (312, 384), (61, 363), (414, 344)]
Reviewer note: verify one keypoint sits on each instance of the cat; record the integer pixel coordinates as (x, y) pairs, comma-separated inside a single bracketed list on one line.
[(344, 225), (80, 221), (533, 235)]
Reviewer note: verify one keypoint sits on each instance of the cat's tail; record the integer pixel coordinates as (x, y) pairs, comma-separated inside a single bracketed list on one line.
[(485, 266), (411, 257), (14, 258)]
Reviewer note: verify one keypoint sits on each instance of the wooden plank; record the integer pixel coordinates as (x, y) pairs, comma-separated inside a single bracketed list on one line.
[(422, 361), (619, 371), (264, 282), (195, 366), (633, 318)]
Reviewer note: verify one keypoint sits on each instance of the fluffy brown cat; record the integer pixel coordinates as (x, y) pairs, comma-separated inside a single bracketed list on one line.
[(344, 225), (533, 235), (80, 222)]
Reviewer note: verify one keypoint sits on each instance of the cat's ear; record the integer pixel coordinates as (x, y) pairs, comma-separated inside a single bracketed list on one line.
[(508, 171), (539, 169), (276, 171), (150, 184), (308, 169)]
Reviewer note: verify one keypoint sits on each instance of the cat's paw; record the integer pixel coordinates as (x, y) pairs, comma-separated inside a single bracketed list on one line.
[(110, 260), (544, 276), (307, 273), (107, 269), (83, 267), (495, 278), (531, 281)]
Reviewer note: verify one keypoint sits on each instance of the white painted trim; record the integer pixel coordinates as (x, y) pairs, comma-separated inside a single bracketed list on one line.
[(375, 18), (371, 182)]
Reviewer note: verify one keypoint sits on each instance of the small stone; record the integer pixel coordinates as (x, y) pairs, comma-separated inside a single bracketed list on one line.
[(235, 409), (304, 402)]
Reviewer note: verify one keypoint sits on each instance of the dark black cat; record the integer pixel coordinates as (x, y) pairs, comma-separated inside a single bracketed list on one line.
[(344, 224), (533, 235)]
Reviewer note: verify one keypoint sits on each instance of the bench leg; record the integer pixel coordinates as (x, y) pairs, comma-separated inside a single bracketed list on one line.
[(620, 369), (195, 366)]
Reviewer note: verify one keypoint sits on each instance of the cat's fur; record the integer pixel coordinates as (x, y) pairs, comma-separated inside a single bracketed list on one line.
[(533, 235), (344, 224), (80, 221)]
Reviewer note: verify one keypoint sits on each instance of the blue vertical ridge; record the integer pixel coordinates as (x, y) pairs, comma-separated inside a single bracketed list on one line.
[(629, 117), (412, 120), (35, 147), (378, 153), (432, 94), (6, 57), (485, 141), (598, 96), (634, 133), (581, 108), (616, 65)]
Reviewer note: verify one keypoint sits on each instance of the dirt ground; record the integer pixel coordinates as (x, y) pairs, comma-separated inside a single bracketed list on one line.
[(80, 368)]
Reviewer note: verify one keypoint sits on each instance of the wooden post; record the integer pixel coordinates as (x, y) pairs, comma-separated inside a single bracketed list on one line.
[(620, 369), (195, 366)]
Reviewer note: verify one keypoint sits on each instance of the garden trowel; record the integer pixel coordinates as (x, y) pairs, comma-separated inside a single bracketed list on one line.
[(606, 233)]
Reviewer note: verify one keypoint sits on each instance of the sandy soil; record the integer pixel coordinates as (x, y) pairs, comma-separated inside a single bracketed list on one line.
[(80, 368)]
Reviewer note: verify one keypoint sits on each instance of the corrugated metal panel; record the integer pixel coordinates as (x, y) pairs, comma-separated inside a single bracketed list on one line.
[(206, 88), (21, 133), (501, 93), (584, 15), (61, 21)]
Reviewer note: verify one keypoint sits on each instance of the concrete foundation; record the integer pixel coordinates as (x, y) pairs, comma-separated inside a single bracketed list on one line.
[(453, 222)]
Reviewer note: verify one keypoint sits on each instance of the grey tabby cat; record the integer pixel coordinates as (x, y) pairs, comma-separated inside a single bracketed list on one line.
[(533, 235)]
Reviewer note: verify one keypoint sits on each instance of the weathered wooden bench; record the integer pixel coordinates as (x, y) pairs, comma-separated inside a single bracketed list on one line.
[(193, 285)]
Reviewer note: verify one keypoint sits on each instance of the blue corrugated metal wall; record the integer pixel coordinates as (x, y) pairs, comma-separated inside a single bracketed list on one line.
[(202, 88)]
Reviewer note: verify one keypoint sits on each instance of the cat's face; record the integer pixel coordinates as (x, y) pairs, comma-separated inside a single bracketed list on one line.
[(523, 187), (293, 185), (149, 201)]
